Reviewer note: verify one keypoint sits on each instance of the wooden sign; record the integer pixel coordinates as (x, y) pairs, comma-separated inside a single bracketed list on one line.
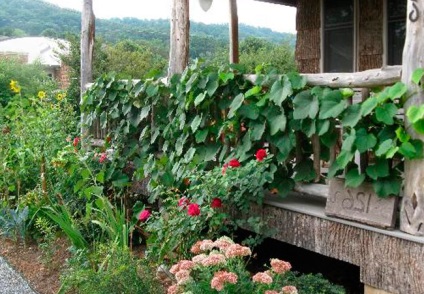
[(360, 204)]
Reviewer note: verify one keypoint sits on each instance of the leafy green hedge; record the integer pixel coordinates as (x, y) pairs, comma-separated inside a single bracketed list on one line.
[(207, 115)]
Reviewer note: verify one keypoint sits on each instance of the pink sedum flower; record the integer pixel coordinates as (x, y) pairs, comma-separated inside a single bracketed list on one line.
[(182, 277), (174, 289), (279, 266), (220, 278), (271, 292), (214, 259), (236, 250), (207, 245), (289, 290), (223, 243), (262, 278), (198, 259)]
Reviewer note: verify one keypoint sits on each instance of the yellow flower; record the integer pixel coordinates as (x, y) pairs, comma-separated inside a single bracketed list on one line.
[(41, 95), (14, 86), (59, 97)]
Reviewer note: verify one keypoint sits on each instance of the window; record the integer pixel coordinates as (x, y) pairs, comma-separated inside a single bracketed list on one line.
[(338, 36), (396, 30)]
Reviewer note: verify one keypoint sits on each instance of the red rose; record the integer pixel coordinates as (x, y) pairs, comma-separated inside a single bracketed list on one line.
[(260, 154), (216, 203), (193, 209), (183, 202), (144, 215), (234, 163), (76, 141), (103, 157)]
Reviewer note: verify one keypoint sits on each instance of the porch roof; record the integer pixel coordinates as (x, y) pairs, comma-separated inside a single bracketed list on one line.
[(292, 3)]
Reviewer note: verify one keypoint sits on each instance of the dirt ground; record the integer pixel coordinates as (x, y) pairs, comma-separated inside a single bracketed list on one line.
[(43, 275)]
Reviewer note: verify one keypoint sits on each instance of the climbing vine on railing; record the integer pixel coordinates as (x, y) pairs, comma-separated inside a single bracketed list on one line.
[(206, 116)]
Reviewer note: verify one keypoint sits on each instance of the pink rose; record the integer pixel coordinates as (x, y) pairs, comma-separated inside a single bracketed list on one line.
[(193, 209), (144, 215)]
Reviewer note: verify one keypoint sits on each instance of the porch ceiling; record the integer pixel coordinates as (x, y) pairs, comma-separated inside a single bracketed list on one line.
[(282, 2)]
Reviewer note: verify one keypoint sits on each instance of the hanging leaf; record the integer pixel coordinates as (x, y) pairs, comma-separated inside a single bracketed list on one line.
[(297, 81), (417, 75), (308, 127), (408, 150), (353, 178), (305, 105), (257, 129), (384, 147), (199, 99), (349, 140), (235, 104), (397, 90), (280, 90), (351, 115), (368, 106), (196, 123), (378, 170), (277, 123), (201, 135), (212, 84), (250, 111), (364, 140), (304, 171), (386, 112), (419, 126), (332, 105), (344, 158), (402, 135), (415, 113), (386, 187), (285, 145), (253, 91), (323, 127)]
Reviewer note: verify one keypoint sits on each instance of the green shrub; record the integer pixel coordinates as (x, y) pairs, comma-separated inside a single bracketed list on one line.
[(110, 269)]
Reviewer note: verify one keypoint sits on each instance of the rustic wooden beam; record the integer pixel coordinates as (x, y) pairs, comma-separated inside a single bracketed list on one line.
[(234, 32), (87, 49), (364, 79), (412, 210), (180, 30), (388, 260)]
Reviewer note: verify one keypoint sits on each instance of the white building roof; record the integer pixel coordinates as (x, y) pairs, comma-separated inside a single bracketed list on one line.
[(42, 49)]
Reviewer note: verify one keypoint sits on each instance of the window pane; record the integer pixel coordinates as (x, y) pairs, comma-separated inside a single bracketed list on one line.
[(396, 30), (338, 35), (338, 12), (338, 50)]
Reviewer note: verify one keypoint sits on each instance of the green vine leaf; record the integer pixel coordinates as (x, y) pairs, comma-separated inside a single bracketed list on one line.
[(212, 84), (305, 105), (349, 140), (323, 127), (368, 106), (304, 171), (280, 90), (253, 91), (277, 123), (196, 123), (351, 115), (332, 105), (364, 140), (344, 158), (353, 178), (415, 113), (386, 112), (417, 75), (397, 90), (250, 111), (201, 135), (199, 99), (297, 81), (386, 187), (285, 145), (378, 170), (257, 129), (384, 147), (402, 135), (419, 126), (235, 104), (408, 150)]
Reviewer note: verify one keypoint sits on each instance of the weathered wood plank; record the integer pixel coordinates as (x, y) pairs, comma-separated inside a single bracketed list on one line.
[(364, 79), (234, 32), (180, 31), (360, 204), (87, 50), (412, 210), (386, 262)]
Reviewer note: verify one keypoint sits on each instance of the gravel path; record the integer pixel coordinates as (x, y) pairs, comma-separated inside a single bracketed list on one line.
[(11, 282)]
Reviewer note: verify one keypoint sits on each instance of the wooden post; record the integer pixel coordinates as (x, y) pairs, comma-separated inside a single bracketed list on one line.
[(412, 210), (180, 30), (234, 32), (87, 49)]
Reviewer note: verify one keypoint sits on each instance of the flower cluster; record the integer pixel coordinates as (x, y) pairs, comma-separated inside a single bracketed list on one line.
[(222, 260), (14, 86)]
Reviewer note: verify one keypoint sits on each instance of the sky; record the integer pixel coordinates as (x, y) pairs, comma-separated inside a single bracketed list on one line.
[(279, 18)]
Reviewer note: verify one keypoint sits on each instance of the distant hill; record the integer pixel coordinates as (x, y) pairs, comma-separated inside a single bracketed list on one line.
[(35, 18)]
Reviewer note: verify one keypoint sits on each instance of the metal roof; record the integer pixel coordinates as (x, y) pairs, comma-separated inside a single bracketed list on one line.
[(42, 49)]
